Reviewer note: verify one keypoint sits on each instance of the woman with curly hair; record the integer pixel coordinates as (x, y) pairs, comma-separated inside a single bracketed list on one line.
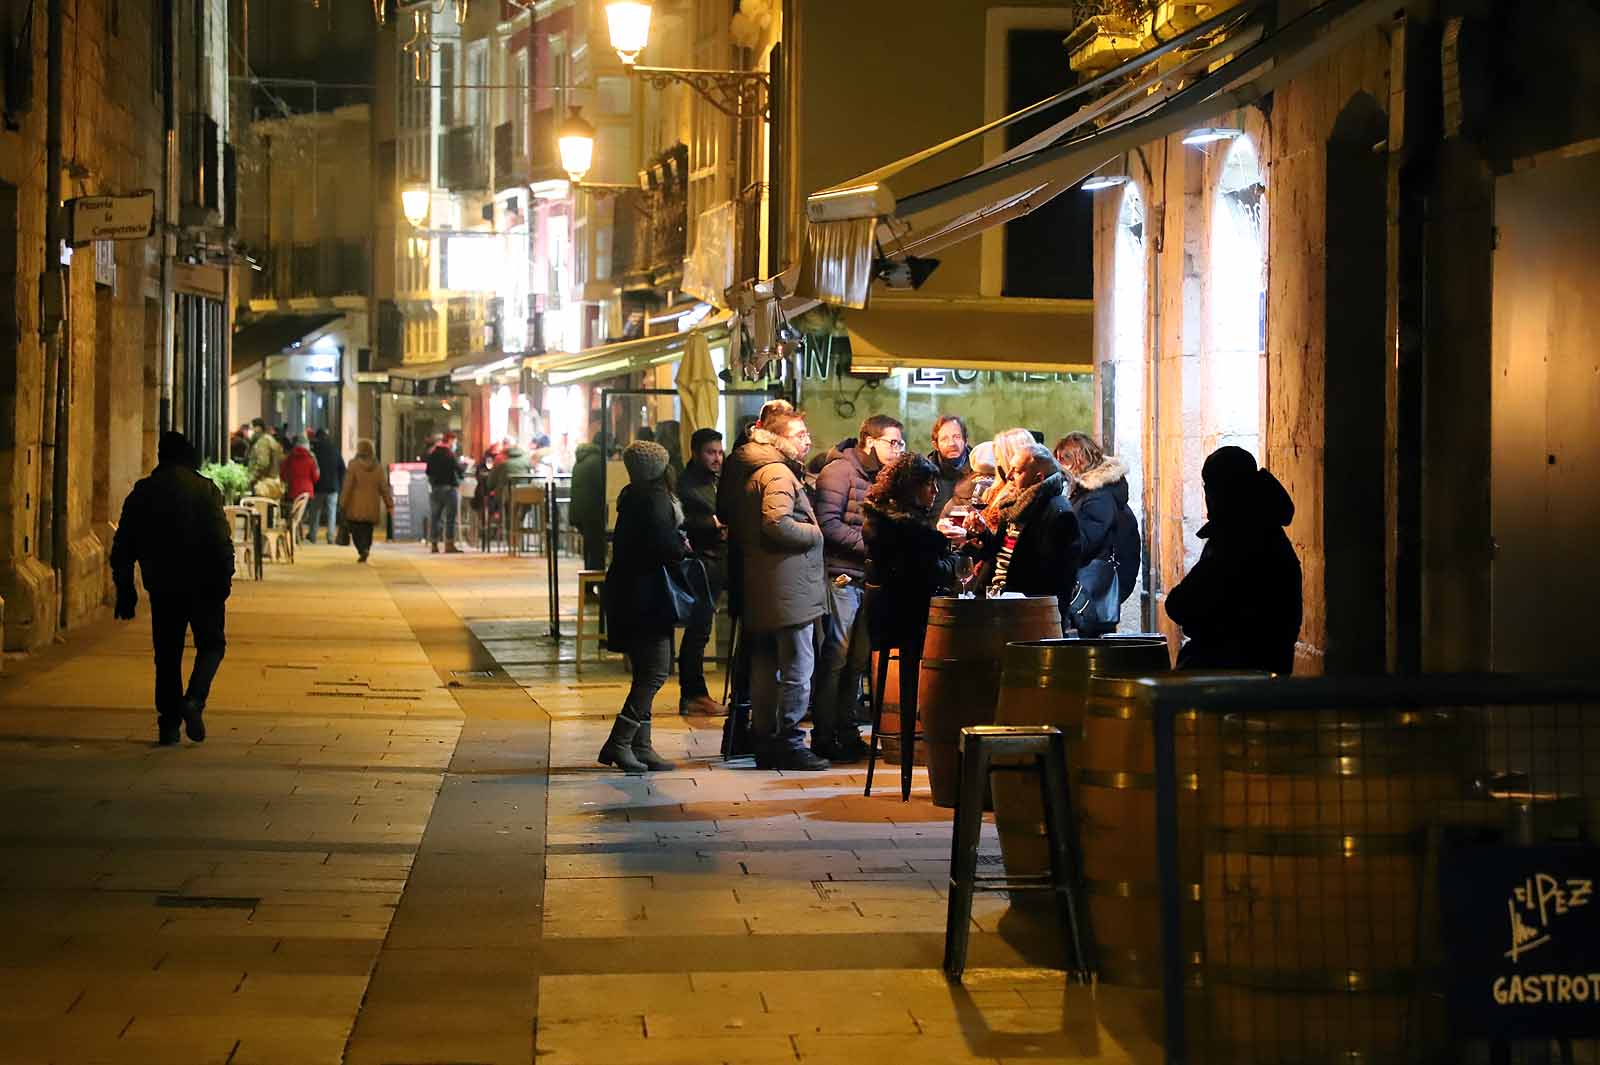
[(908, 562)]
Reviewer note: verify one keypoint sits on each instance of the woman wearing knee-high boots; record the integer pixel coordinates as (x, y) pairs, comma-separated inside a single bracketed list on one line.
[(648, 536)]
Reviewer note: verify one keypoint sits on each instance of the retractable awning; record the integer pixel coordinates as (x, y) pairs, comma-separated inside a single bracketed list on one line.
[(919, 332), (858, 227), (274, 334), (627, 356)]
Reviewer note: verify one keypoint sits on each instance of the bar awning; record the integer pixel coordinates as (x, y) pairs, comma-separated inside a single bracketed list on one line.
[(627, 356), (859, 227), (917, 332), (273, 334)]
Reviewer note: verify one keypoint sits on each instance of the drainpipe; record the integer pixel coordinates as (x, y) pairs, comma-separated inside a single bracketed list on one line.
[(55, 308)]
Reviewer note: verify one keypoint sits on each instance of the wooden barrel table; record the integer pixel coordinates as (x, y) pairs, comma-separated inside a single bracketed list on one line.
[(1314, 880), (1116, 804), (960, 674), (1046, 682)]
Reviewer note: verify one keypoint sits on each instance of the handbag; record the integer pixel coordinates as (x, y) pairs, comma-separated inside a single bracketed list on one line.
[(342, 536), (1096, 598), (687, 592)]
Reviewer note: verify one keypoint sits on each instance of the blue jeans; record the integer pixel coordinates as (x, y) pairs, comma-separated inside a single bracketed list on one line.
[(443, 503), (843, 660), (780, 683), (322, 510)]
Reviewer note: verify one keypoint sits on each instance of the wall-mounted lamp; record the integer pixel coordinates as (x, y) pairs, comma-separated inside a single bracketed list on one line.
[(414, 201), (1210, 135), (575, 140), (629, 22), (1109, 176), (739, 94)]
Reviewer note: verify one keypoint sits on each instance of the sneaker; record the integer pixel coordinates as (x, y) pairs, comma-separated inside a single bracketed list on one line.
[(168, 733), (193, 721), (795, 760)]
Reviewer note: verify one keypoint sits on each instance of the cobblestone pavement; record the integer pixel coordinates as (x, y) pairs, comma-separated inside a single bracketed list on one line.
[(395, 847)]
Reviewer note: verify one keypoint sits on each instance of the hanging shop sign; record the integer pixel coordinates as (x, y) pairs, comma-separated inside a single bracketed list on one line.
[(1522, 927), (92, 218)]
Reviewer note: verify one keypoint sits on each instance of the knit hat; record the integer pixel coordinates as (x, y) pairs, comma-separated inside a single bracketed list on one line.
[(645, 461)]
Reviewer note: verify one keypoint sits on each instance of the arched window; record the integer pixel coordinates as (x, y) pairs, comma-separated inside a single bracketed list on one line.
[(1125, 427), (1236, 305)]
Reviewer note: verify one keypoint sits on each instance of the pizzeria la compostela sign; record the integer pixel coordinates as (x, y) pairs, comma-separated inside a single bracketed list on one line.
[(1522, 931)]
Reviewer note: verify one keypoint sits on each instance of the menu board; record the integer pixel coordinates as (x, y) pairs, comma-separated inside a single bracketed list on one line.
[(409, 483)]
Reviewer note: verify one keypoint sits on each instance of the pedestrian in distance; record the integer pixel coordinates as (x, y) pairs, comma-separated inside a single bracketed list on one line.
[(266, 454), (299, 472), (366, 498), (174, 529), (949, 454), (640, 615), (1240, 605), (324, 507), (1097, 486), (908, 563), (239, 445), (444, 497), (708, 540), (587, 510), (783, 589), (842, 489), (1034, 549)]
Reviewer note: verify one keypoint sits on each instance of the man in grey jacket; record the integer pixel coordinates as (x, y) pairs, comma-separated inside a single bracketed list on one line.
[(841, 489), (780, 549)]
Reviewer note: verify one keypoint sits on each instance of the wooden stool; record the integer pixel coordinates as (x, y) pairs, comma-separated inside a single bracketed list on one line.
[(908, 726), (1047, 748), (587, 579)]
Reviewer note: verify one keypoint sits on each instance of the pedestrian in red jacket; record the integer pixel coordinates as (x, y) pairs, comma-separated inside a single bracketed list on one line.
[(299, 471)]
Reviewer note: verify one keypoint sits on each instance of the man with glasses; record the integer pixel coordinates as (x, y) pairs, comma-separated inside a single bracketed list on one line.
[(780, 550), (845, 652)]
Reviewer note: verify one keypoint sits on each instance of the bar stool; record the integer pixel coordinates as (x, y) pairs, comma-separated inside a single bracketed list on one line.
[(587, 579), (1046, 749), (908, 726)]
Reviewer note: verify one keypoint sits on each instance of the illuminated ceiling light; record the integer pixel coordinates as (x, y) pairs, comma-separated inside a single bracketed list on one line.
[(414, 201), (1103, 181), (575, 140), (629, 21), (1210, 135)]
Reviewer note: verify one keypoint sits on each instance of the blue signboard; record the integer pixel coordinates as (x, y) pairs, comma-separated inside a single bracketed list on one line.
[(1521, 928)]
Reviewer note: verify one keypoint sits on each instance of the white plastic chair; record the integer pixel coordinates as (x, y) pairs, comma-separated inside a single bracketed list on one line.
[(241, 522)]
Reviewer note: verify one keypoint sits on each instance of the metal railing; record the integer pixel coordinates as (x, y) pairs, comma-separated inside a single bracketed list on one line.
[(1300, 827), (319, 269)]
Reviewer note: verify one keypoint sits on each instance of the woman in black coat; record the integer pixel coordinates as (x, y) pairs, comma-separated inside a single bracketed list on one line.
[(1035, 549), (1240, 605), (908, 563), (639, 613)]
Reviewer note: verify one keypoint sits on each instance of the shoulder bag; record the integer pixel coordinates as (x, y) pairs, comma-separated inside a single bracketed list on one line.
[(1096, 599)]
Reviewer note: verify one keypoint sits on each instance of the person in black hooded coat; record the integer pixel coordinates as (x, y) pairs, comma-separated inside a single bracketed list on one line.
[(1240, 606), (908, 560)]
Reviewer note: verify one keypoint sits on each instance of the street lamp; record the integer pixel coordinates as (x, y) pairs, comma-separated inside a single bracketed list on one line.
[(575, 141), (414, 202), (739, 94)]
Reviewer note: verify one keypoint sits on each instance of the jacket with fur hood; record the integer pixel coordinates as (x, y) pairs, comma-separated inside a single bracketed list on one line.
[(1106, 523), (779, 541), (841, 490)]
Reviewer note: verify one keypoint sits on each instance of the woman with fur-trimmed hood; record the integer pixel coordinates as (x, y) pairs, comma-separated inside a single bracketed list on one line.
[(1099, 495), (1035, 549)]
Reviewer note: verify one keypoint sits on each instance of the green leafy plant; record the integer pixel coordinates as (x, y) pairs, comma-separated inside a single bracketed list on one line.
[(231, 479)]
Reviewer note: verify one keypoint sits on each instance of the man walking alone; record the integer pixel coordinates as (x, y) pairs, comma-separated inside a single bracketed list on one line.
[(173, 527)]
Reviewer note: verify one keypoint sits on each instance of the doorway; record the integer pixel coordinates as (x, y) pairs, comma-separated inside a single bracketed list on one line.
[(1544, 449)]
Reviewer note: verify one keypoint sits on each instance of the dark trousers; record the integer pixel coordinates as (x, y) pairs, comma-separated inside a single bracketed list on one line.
[(171, 619), (594, 544), (443, 501), (650, 658), (692, 652), (361, 536)]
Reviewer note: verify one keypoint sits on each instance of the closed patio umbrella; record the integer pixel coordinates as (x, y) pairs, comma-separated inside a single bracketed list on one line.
[(698, 389)]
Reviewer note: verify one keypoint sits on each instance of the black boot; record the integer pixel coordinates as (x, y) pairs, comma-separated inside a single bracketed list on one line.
[(618, 750), (194, 722), (646, 753)]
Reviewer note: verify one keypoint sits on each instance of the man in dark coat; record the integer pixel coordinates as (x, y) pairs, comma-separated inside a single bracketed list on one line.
[(1240, 606), (697, 491), (588, 507), (330, 476), (845, 652), (444, 500), (780, 546), (950, 451), (1035, 551), (173, 527)]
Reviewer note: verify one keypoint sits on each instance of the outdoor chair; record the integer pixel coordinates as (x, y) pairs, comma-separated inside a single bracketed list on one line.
[(246, 544)]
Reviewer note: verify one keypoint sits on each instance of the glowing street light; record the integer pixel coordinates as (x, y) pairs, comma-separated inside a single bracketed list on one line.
[(629, 21), (414, 201), (1210, 135), (575, 141)]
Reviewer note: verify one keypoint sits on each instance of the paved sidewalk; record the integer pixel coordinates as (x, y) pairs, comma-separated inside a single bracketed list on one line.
[(396, 847)]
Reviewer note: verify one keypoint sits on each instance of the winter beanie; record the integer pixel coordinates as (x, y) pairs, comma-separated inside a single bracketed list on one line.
[(645, 461)]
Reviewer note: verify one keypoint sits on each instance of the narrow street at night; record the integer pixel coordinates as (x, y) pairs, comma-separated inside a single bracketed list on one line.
[(394, 846)]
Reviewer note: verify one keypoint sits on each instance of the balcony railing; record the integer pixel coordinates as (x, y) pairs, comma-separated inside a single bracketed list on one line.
[(320, 270)]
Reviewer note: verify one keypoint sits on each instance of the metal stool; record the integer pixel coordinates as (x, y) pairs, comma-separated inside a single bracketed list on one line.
[(1047, 748), (908, 727), (587, 579)]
